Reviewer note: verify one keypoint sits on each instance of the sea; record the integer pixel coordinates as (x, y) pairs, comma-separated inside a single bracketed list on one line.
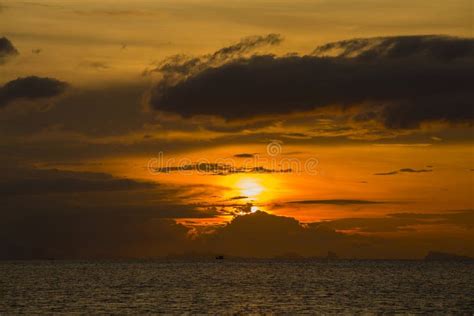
[(236, 287)]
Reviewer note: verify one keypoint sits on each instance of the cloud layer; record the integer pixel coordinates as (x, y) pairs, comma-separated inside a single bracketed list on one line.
[(399, 81), (256, 234), (64, 214)]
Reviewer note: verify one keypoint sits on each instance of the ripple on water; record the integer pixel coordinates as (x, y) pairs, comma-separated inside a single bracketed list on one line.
[(236, 286)]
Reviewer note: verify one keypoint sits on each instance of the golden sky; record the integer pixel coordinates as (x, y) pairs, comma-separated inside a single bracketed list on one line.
[(250, 128)]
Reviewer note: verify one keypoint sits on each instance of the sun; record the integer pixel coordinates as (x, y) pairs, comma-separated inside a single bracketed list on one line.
[(250, 187), (256, 189)]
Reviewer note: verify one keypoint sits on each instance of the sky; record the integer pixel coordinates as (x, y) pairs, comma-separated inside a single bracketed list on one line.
[(144, 129)]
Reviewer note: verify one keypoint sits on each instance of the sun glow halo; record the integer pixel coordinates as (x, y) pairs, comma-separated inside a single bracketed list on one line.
[(250, 187)]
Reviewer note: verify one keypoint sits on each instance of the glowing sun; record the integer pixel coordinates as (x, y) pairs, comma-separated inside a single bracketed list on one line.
[(250, 187)]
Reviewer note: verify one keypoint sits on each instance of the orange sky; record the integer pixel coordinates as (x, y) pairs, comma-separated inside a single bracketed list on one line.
[(376, 129)]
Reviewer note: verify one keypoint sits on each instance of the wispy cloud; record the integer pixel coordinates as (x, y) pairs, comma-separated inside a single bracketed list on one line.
[(218, 169), (403, 170), (337, 202)]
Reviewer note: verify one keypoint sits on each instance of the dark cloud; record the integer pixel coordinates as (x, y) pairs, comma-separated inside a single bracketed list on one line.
[(428, 46), (133, 233), (244, 155), (403, 170), (90, 236), (53, 191), (187, 65), (240, 197), (464, 218), (401, 81), (233, 208), (129, 236), (73, 113), (51, 181), (296, 135), (261, 234), (400, 222), (218, 169), (390, 173), (336, 202), (246, 45), (6, 49), (369, 225), (410, 170), (66, 214), (30, 88), (199, 167)]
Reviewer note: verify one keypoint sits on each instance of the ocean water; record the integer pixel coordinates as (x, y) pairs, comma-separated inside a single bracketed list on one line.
[(236, 286)]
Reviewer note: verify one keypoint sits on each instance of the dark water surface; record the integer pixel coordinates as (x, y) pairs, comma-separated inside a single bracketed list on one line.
[(236, 286)]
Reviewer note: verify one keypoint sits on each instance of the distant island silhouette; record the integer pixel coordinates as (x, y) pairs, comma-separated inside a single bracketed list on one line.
[(330, 256), (444, 256)]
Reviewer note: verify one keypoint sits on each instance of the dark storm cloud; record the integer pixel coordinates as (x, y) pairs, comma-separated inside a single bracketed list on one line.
[(30, 88), (6, 49), (403, 170), (400, 81)]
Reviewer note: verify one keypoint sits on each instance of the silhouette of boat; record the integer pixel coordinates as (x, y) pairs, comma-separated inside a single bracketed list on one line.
[(219, 257)]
